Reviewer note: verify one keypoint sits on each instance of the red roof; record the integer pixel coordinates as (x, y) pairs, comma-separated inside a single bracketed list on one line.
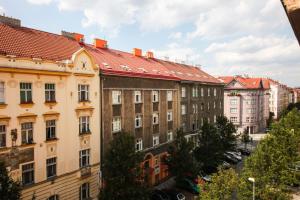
[(31, 43), (248, 83)]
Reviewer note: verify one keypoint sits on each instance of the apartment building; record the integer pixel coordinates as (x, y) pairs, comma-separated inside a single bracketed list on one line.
[(49, 112), (296, 95), (246, 102)]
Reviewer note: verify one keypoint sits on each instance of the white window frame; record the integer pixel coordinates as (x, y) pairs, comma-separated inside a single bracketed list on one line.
[(116, 124), (215, 118), (195, 108), (50, 92), (233, 119), (208, 92), (155, 115), (84, 124), (155, 140), (169, 95), (138, 122), (155, 96), (137, 96), (85, 191), (233, 101), (116, 97), (183, 109), (29, 170), (2, 92), (233, 110), (169, 136), (195, 91), (169, 116), (52, 164), (214, 105), (50, 129), (139, 144), (2, 136), (84, 158), (202, 92), (27, 89), (27, 130), (83, 92), (215, 92), (183, 92)]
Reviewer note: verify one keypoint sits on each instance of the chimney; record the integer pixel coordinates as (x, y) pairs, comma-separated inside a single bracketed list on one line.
[(79, 37), (137, 52), (99, 43), (10, 21), (149, 54)]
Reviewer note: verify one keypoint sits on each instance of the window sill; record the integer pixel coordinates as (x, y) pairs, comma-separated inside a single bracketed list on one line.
[(52, 178), (116, 104), (138, 102), (138, 127), (51, 140), (50, 103), (85, 133), (26, 104), (84, 101), (3, 105), (27, 144)]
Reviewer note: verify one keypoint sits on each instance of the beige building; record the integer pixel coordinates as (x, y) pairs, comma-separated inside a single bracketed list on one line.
[(49, 113)]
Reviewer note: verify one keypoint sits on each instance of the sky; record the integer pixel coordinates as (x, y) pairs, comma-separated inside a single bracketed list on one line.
[(233, 37)]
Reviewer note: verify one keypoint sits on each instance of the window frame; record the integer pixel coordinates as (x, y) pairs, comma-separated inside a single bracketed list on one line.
[(116, 97), (27, 129), (155, 96), (116, 122), (50, 129), (183, 92), (139, 144), (2, 136), (50, 92), (51, 166), (138, 93), (169, 136), (153, 117), (30, 172), (84, 125), (169, 95), (2, 92), (84, 189), (185, 110), (83, 92), (139, 119), (155, 139), (26, 90), (84, 158)]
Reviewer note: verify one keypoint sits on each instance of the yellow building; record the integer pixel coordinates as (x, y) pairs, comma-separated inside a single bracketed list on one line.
[(49, 113)]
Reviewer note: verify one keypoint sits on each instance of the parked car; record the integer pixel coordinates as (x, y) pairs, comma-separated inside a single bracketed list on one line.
[(237, 155), (245, 152), (205, 177), (188, 185), (231, 159), (159, 195), (174, 194), (226, 165)]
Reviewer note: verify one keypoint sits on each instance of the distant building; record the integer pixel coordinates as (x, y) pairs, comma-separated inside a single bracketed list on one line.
[(246, 103), (296, 95)]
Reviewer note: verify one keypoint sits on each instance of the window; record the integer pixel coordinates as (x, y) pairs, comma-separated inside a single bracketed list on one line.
[(155, 118), (84, 158), (51, 167), (183, 92), (201, 121), (2, 136), (195, 92), (84, 124), (138, 121), (2, 100), (169, 116), (27, 133), (83, 93), (116, 97), (220, 104), (155, 140), (247, 119), (208, 92), (116, 124), (215, 118), (137, 97), (53, 197), (183, 109), (139, 145), (233, 119), (251, 110), (214, 105), (170, 95), (84, 193), (26, 92), (155, 96), (208, 105), (50, 129), (208, 120), (169, 136), (215, 92), (202, 106), (28, 174), (233, 110), (233, 101), (50, 92), (202, 92), (195, 108)]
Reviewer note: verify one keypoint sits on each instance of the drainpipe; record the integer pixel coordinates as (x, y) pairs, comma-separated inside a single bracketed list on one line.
[(101, 128)]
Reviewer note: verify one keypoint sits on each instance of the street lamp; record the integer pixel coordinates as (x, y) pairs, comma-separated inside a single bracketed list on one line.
[(253, 181)]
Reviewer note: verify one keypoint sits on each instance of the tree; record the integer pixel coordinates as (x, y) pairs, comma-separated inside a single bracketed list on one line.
[(271, 162), (223, 186), (9, 189), (209, 152), (122, 171), (245, 138), (181, 160), (226, 130)]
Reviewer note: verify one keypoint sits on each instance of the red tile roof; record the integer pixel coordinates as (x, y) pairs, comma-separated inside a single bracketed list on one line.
[(31, 43), (248, 83)]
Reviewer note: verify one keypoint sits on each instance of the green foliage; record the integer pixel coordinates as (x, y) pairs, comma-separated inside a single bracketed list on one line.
[(181, 160), (122, 172), (223, 186), (245, 138), (271, 162), (214, 141), (9, 189)]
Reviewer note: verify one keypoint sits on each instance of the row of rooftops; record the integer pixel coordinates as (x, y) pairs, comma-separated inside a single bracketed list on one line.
[(23, 42)]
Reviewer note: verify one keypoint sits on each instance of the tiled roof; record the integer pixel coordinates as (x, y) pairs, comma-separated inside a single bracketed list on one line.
[(31, 43), (248, 83)]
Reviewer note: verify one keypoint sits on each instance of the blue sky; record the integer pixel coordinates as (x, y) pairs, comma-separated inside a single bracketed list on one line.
[(224, 37)]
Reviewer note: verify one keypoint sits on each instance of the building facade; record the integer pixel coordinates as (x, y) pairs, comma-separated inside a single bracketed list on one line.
[(246, 103), (49, 113)]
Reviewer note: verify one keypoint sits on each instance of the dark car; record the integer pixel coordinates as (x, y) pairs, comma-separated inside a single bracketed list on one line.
[(174, 194), (188, 185), (159, 195), (245, 152)]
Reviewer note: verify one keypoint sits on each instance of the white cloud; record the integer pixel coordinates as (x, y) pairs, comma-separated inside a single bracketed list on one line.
[(2, 10), (40, 2), (175, 35)]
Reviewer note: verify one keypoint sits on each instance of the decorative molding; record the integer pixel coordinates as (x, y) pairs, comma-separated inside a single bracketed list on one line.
[(26, 105), (84, 110), (51, 115), (32, 71), (27, 117), (84, 74), (3, 105)]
